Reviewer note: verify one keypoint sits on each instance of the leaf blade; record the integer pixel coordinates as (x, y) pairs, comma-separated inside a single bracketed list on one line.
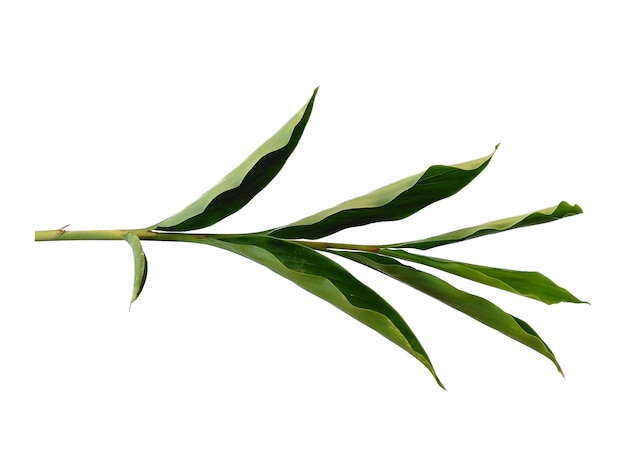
[(474, 306), (550, 214), (238, 187), (529, 284), (328, 280), (391, 202), (140, 265)]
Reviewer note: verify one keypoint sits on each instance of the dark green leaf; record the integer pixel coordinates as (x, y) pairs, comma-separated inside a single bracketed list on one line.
[(141, 264), (237, 188), (476, 307), (502, 225), (392, 202), (533, 285), (330, 281)]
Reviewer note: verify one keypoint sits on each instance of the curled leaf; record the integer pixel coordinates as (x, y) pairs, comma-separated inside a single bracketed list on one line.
[(140, 262), (474, 306), (530, 284), (392, 202), (550, 214), (330, 281), (237, 188)]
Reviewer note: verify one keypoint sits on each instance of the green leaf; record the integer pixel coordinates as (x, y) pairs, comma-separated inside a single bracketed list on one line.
[(141, 264), (502, 225), (237, 188), (476, 307), (392, 202), (330, 281), (533, 285)]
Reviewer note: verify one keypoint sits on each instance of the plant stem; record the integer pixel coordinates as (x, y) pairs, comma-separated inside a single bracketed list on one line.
[(337, 246), (62, 234), (147, 234), (143, 234)]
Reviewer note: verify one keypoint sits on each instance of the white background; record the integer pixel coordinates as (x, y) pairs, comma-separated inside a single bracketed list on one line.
[(118, 114)]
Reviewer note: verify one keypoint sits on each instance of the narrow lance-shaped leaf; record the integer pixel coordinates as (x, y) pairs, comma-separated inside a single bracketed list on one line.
[(330, 281), (237, 188), (550, 214), (392, 202), (140, 262), (476, 307), (533, 285)]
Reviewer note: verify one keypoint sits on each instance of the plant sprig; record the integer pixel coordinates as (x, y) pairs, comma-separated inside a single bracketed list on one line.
[(295, 252)]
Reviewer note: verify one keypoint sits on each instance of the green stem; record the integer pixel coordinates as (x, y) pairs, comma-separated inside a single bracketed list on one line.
[(143, 234), (62, 234), (147, 234), (337, 246)]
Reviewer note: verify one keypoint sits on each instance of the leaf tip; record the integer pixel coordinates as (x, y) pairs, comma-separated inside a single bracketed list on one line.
[(566, 209), (312, 99), (134, 297), (430, 367), (558, 367), (440, 383)]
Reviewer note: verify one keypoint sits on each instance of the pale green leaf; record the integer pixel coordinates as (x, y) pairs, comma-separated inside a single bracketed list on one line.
[(474, 306), (237, 188), (550, 214), (530, 284), (392, 202), (328, 280), (140, 264)]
